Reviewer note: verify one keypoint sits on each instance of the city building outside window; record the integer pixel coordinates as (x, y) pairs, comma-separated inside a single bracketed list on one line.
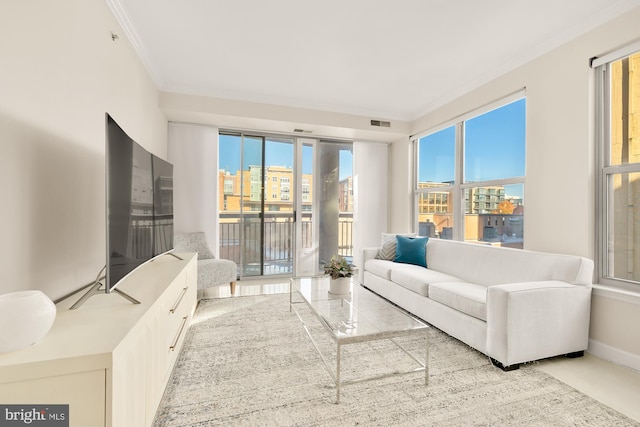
[(470, 176), (228, 186), (618, 156)]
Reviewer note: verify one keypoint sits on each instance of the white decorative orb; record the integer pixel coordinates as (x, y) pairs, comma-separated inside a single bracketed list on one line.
[(25, 318)]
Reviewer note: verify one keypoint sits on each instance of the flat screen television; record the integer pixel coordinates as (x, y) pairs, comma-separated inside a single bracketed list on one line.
[(162, 206), (139, 205)]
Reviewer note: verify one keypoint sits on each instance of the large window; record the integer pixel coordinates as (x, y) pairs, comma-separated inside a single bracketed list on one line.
[(470, 176), (618, 198)]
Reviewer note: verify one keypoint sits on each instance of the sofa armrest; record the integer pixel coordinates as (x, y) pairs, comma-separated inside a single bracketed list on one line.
[(367, 254), (535, 320)]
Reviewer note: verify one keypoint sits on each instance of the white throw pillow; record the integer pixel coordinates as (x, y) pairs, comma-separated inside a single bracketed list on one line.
[(387, 249)]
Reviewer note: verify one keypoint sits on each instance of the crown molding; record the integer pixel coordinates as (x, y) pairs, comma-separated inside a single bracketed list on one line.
[(120, 13)]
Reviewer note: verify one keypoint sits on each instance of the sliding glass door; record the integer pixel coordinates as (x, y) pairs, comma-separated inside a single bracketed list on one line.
[(256, 174), (286, 204)]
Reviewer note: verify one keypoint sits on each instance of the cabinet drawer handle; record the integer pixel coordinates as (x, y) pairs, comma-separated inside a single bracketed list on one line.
[(175, 342), (175, 306)]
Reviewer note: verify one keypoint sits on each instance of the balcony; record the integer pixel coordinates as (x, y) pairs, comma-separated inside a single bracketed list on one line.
[(278, 235)]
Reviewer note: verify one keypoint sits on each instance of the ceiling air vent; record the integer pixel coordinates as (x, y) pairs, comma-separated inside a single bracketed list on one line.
[(381, 123), (302, 131)]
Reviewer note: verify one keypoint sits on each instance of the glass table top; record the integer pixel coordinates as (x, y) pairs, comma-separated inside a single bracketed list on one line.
[(361, 313)]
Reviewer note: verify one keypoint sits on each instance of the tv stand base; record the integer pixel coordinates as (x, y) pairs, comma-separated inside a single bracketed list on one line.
[(96, 289)]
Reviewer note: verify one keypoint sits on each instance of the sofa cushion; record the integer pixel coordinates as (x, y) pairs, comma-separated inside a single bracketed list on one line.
[(488, 265), (411, 250), (379, 267), (468, 298), (418, 279)]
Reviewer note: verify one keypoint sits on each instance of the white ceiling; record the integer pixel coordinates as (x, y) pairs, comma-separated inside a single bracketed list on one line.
[(386, 59)]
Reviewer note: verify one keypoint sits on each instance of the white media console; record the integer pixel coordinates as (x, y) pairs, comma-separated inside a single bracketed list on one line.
[(109, 360)]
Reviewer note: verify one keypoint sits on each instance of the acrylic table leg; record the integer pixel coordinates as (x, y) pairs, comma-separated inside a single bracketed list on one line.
[(338, 374)]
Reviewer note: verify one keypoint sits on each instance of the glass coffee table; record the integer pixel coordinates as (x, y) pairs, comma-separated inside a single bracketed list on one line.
[(360, 316)]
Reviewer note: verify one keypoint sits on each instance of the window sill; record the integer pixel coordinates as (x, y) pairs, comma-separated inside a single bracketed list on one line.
[(617, 293)]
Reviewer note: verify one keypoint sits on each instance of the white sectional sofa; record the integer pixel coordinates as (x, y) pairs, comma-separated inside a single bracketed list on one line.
[(513, 305)]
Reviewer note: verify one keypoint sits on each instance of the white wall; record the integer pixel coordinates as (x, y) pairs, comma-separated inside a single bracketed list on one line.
[(193, 150), (560, 175), (60, 73)]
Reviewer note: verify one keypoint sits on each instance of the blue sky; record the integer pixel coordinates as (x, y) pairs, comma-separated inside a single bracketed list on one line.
[(277, 154), (494, 147)]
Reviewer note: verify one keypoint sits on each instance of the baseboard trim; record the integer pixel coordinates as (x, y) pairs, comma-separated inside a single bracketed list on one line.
[(614, 355)]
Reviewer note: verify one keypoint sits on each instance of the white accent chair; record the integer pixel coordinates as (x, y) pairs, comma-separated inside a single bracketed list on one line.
[(211, 270)]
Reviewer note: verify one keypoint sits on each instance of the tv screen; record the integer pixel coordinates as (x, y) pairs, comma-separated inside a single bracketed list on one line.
[(162, 206), (139, 204)]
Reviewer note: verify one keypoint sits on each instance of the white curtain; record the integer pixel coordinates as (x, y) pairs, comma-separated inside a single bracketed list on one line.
[(193, 150), (370, 187)]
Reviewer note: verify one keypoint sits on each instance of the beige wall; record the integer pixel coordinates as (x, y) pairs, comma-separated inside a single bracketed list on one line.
[(559, 164), (231, 114), (60, 73), (614, 330)]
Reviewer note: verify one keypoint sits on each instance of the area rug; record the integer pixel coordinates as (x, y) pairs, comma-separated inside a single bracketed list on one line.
[(248, 362)]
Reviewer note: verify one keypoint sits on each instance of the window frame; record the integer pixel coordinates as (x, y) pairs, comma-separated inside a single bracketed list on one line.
[(458, 188), (604, 167)]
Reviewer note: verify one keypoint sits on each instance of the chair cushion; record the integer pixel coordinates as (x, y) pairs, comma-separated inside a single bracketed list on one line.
[(216, 272), (193, 242)]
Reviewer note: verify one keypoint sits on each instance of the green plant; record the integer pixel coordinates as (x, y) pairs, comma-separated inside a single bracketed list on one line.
[(338, 267)]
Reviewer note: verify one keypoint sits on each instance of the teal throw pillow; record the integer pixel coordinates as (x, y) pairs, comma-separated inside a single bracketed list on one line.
[(411, 250)]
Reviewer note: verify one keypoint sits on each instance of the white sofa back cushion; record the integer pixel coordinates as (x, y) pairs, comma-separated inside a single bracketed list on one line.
[(482, 265)]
